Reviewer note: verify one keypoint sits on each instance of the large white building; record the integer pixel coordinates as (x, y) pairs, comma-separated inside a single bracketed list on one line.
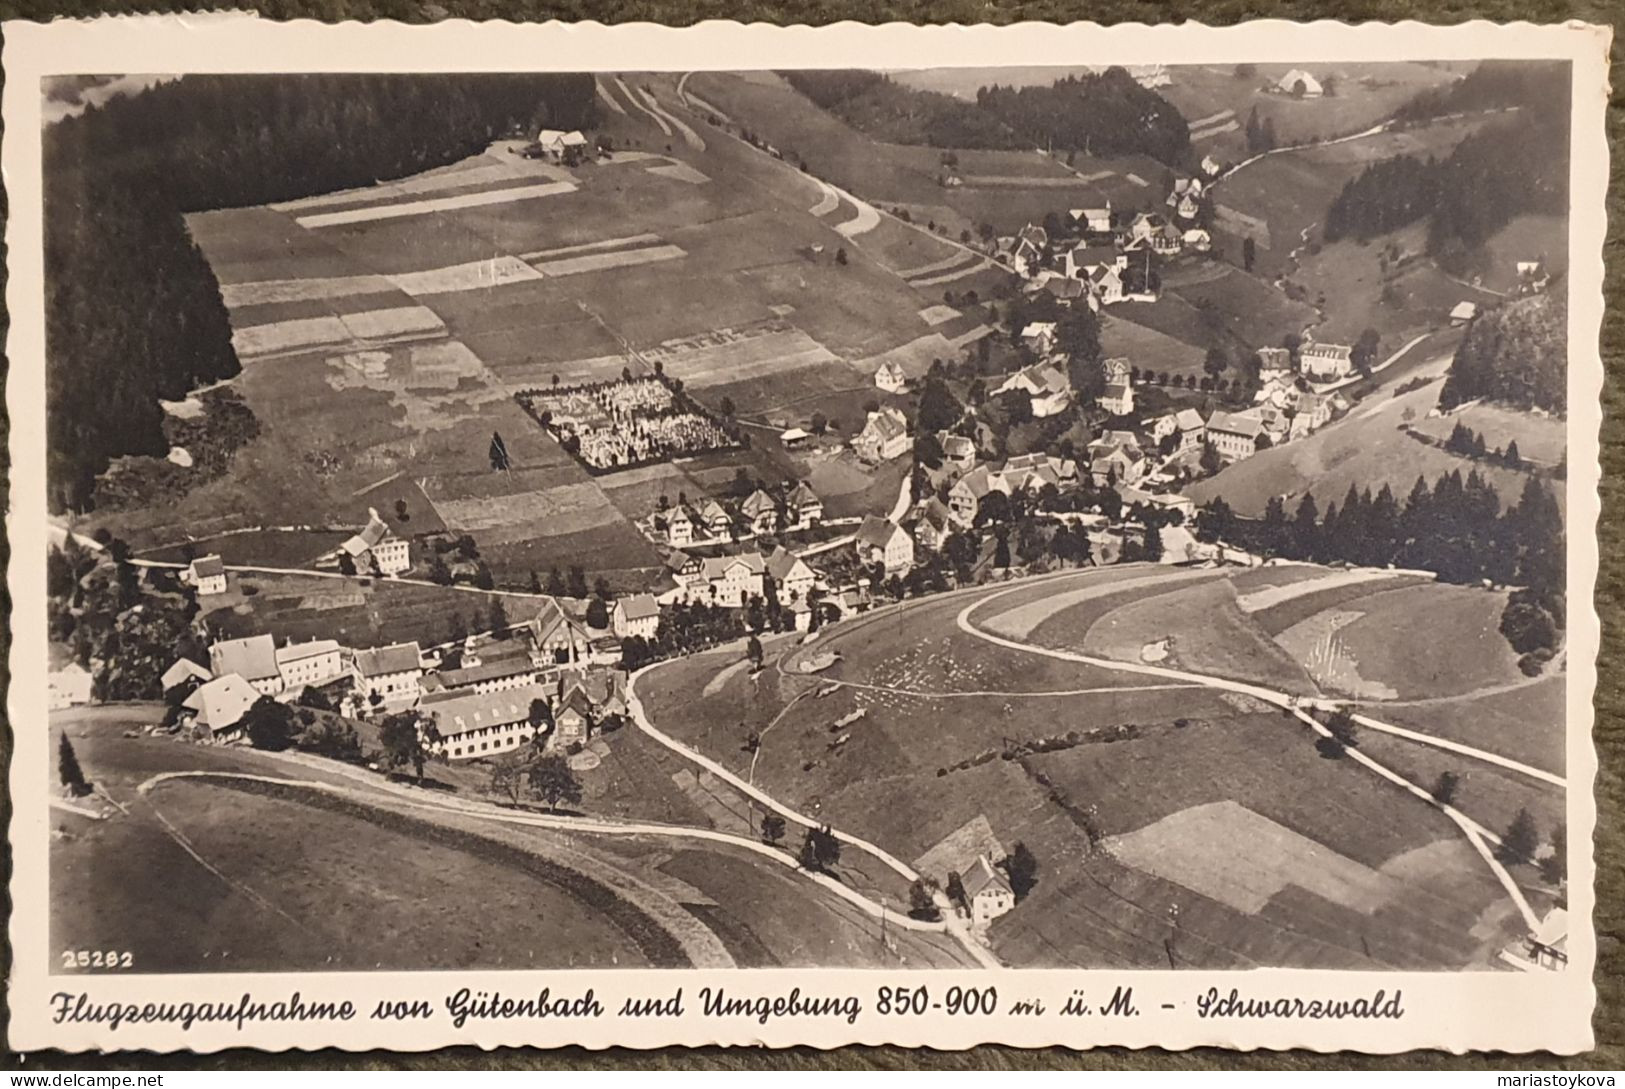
[(987, 892), (1326, 362), (637, 614), (886, 543), (394, 672), (485, 725), (1235, 434), (375, 546), (207, 574), (315, 662)]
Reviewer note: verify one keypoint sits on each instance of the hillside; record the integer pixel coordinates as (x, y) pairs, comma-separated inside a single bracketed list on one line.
[(1516, 355)]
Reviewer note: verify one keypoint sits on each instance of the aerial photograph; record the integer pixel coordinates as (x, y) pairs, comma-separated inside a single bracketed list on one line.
[(1032, 518)]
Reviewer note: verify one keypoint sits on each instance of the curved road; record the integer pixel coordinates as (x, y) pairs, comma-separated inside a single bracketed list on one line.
[(1476, 834)]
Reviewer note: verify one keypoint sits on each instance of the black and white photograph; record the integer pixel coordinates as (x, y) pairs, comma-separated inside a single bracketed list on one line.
[(1107, 517)]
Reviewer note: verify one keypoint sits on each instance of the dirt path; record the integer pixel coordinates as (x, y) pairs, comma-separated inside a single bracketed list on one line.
[(1476, 834)]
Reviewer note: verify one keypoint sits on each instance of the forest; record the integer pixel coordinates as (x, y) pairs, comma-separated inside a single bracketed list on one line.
[(1496, 85), (1516, 354), (1512, 167), (133, 311), (1103, 114)]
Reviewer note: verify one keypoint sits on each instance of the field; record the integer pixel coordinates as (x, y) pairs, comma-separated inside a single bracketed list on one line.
[(1213, 99), (1129, 789), (1004, 188), (1147, 348), (1289, 191), (1365, 448), (1254, 312), (385, 331), (357, 612), (1526, 238)]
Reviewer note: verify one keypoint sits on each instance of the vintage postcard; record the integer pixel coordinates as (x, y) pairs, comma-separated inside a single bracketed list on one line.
[(566, 535)]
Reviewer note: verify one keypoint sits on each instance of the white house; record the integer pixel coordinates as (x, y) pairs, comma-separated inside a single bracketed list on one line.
[(760, 511), (966, 495), (253, 659), (221, 704), (1300, 84), (1039, 336), (1192, 430), (1463, 312), (958, 452), (932, 524), (377, 546), (1211, 167), (1198, 240), (713, 519), (556, 637), (1117, 398), (1325, 362), (885, 542), (1235, 434), (394, 672), (679, 527), (557, 143), (1045, 383), (987, 892), (890, 377), (207, 574), (1151, 231), (69, 686), (884, 436), (638, 614), (484, 725), (478, 678), (315, 662), (792, 578), (1093, 220), (805, 508), (1274, 363)]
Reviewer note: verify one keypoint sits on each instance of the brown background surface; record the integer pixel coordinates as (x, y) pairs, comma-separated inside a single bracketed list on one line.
[(1610, 595)]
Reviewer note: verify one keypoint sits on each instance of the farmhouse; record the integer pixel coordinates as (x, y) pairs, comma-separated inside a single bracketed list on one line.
[(1235, 435), (375, 546), (890, 378), (1045, 383), (556, 637), (1116, 462), (69, 686), (557, 144), (1192, 431), (1299, 84), (1151, 231), (183, 670), (1325, 362), (482, 725), (479, 678), (886, 543), (713, 519), (966, 495), (1022, 255), (679, 527), (792, 578), (931, 525), (1033, 472), (207, 574), (637, 615), (315, 662), (1039, 336), (253, 659), (1093, 220), (987, 892), (1463, 312), (794, 438), (221, 704), (958, 452), (392, 673), (884, 437), (1197, 240), (573, 718), (1117, 398), (1211, 167), (805, 506), (1080, 261), (760, 511)]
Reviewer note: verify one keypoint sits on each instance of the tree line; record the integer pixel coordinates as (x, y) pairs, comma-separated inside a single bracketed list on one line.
[(1106, 114), (1456, 528), (133, 310), (1465, 197)]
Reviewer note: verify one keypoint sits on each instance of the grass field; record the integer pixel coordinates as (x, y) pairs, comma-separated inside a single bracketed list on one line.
[(1251, 310), (1342, 869), (513, 293), (357, 612)]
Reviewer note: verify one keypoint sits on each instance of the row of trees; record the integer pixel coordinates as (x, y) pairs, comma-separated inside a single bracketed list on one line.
[(133, 311)]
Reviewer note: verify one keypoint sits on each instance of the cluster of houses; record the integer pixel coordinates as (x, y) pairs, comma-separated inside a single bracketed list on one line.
[(788, 508), (482, 703), (1105, 256)]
